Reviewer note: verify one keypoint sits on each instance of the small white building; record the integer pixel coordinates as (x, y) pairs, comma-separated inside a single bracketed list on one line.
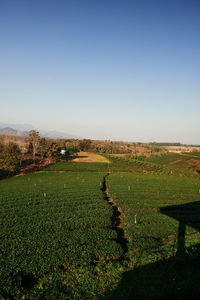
[(62, 151)]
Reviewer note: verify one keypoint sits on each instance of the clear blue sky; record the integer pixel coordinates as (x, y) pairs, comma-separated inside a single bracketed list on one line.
[(102, 69)]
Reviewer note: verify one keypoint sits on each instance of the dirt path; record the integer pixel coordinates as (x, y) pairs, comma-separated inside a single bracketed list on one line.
[(175, 161)]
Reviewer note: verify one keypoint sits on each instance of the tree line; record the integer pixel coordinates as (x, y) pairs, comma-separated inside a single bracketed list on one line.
[(38, 148), (12, 158)]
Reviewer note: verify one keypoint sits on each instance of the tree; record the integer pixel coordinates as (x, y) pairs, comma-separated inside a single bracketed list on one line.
[(52, 149), (11, 157), (34, 138), (85, 144), (1, 148), (43, 147)]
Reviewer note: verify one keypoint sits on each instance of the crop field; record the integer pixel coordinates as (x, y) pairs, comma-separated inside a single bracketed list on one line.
[(123, 230), (160, 217), (140, 198), (51, 221), (196, 154), (158, 165), (182, 161), (78, 167)]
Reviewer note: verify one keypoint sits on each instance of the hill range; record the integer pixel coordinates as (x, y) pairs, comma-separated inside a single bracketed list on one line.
[(22, 130)]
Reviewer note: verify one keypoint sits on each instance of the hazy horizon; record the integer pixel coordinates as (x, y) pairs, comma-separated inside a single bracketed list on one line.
[(122, 70)]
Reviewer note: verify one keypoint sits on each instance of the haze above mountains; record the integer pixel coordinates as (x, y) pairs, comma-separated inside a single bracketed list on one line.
[(23, 130)]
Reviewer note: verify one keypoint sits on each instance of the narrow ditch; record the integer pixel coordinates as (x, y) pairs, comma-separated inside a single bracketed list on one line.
[(115, 218)]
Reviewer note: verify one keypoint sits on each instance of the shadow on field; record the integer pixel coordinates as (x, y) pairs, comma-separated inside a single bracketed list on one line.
[(4, 174), (72, 157), (173, 278)]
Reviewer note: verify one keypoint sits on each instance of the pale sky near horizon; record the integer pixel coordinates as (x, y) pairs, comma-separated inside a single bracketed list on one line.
[(119, 70)]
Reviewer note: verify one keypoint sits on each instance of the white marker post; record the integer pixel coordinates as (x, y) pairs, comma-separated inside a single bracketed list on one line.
[(129, 188), (45, 194), (135, 219)]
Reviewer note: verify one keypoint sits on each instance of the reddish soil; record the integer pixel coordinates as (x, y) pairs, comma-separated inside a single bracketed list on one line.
[(37, 166)]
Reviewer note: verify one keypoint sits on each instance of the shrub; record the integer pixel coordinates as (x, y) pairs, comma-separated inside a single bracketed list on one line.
[(11, 157)]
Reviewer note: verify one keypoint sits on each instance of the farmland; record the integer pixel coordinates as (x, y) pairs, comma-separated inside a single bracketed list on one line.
[(87, 230), (53, 221), (140, 197), (77, 167)]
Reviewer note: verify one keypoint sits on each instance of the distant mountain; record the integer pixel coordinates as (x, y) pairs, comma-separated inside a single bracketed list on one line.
[(18, 127), (57, 135), (8, 131), (23, 130)]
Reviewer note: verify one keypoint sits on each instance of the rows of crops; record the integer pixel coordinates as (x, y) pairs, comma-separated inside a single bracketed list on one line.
[(57, 236), (141, 197), (50, 220), (78, 167), (160, 216), (130, 164), (182, 161)]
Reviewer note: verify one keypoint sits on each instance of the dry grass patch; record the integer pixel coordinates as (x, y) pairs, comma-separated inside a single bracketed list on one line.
[(90, 157)]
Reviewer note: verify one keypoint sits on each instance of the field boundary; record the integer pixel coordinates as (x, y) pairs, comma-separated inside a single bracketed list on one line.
[(115, 218)]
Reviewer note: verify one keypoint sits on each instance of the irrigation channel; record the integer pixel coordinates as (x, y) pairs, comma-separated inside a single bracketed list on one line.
[(115, 218)]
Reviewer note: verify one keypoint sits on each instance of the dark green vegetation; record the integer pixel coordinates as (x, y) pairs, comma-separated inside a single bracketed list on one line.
[(78, 167), (124, 230), (11, 158), (51, 223), (140, 198)]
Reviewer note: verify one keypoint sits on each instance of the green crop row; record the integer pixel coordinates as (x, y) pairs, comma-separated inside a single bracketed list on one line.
[(130, 164), (141, 199), (77, 167), (48, 220), (181, 161)]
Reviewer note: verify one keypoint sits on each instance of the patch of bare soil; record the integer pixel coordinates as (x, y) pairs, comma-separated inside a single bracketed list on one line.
[(194, 165), (36, 166), (90, 157)]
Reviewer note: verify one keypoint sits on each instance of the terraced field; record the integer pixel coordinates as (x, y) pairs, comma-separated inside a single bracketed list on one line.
[(184, 161), (155, 165), (100, 231)]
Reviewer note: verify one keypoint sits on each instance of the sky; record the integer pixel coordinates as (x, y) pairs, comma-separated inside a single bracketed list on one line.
[(102, 69)]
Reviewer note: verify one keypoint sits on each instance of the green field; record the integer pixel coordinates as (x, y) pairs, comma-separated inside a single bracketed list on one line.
[(78, 167), (140, 198), (185, 161), (124, 230), (159, 164)]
